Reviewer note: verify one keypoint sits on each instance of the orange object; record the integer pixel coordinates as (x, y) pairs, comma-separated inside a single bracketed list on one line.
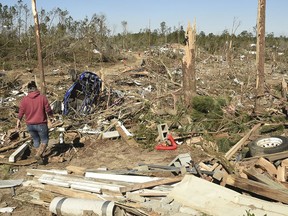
[(163, 146)]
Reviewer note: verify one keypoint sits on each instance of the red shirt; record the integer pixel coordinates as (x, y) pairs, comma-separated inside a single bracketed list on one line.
[(34, 106)]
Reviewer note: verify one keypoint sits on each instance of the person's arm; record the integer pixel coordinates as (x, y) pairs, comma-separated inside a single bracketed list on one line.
[(18, 124), (49, 122), (48, 109), (49, 113)]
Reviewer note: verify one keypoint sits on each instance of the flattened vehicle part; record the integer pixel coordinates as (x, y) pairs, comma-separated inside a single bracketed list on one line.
[(83, 93)]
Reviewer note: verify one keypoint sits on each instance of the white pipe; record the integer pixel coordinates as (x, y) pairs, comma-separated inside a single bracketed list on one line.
[(75, 207)]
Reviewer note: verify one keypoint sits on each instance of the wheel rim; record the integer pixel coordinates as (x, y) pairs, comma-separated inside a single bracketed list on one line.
[(269, 142)]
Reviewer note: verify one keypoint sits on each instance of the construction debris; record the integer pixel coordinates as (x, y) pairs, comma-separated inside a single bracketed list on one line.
[(107, 152)]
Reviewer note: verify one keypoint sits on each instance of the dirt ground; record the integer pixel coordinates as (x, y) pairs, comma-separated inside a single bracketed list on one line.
[(93, 153)]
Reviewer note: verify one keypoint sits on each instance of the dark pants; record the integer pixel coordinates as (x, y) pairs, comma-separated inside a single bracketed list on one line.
[(39, 133)]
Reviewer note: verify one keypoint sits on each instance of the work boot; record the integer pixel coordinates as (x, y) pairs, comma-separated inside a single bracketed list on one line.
[(38, 155)]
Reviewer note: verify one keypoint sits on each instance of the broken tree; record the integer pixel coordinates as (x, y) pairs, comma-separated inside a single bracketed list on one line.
[(188, 65), (260, 54), (39, 51)]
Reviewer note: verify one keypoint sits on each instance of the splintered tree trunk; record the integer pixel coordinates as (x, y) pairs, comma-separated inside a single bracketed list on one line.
[(39, 51), (229, 53), (188, 66), (260, 55)]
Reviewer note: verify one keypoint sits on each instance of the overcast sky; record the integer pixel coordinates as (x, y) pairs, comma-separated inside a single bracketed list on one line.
[(212, 16)]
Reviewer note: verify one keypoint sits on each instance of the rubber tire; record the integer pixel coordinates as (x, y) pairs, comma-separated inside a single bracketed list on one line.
[(256, 150)]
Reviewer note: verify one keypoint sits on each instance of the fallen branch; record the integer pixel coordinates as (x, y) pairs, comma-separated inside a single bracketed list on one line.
[(14, 145)]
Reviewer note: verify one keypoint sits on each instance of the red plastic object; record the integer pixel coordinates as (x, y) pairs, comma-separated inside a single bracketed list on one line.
[(162, 146)]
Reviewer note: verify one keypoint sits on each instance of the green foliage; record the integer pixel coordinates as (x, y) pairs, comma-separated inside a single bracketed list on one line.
[(150, 134), (207, 110), (210, 107), (7, 66), (224, 144), (272, 129), (221, 101), (203, 104), (207, 107), (248, 213)]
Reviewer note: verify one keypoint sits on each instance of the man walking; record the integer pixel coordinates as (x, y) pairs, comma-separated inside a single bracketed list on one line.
[(36, 109)]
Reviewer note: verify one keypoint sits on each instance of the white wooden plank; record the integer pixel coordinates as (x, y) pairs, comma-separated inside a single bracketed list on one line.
[(125, 178), (77, 183), (86, 188), (83, 181), (39, 172), (47, 179), (110, 134), (18, 152), (124, 129)]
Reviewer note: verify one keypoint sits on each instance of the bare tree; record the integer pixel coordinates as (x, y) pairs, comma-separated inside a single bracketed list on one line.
[(189, 72), (39, 50), (124, 26), (260, 54), (163, 30), (229, 53)]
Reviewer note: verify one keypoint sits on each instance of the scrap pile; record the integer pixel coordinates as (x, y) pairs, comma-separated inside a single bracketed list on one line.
[(192, 189), (260, 182), (141, 99)]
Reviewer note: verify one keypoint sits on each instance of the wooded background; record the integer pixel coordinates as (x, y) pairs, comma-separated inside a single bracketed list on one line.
[(66, 40)]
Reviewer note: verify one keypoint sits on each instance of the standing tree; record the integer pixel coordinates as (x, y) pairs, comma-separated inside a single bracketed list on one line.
[(188, 65), (39, 50), (124, 26), (163, 30), (260, 54)]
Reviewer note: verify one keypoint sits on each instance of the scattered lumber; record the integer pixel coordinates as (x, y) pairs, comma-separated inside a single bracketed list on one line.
[(280, 195), (76, 170), (150, 184), (266, 179), (270, 157), (128, 139), (267, 165), (18, 153), (281, 174), (19, 163), (38, 172), (276, 156), (71, 192), (14, 145), (120, 178), (131, 209), (241, 142), (163, 168)]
